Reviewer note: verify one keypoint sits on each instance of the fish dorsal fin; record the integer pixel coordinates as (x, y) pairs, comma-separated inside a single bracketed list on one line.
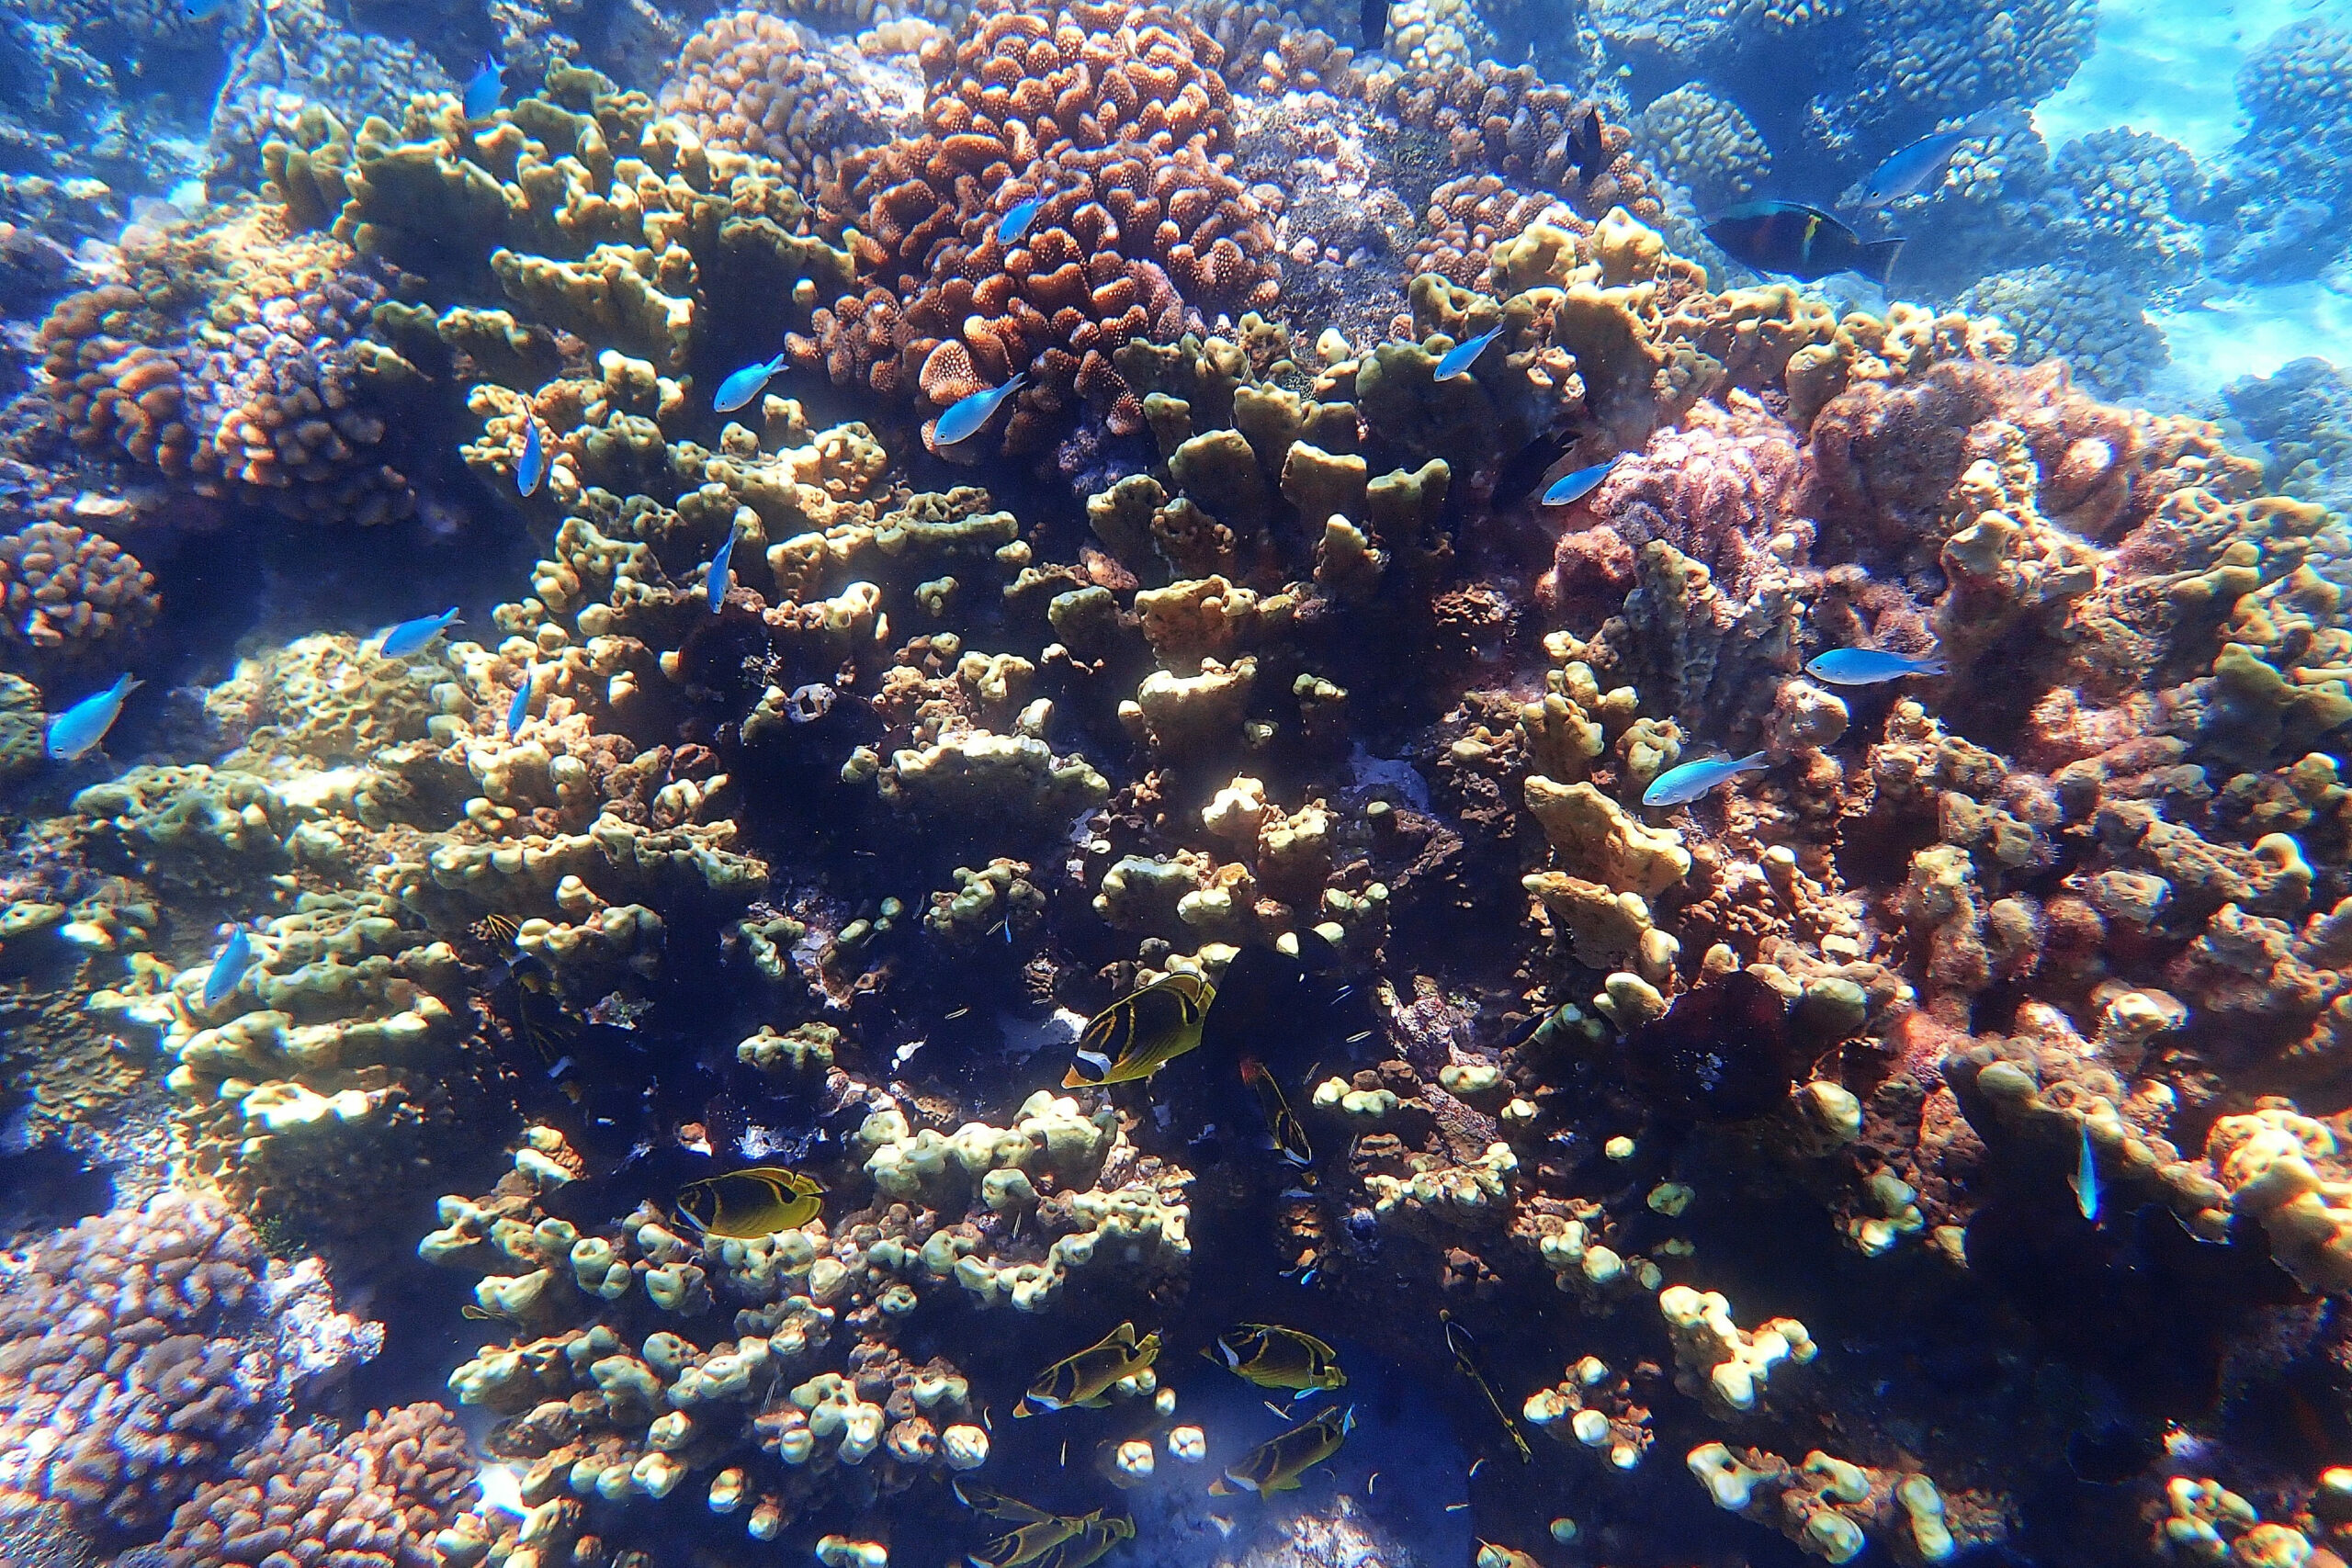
[(1123, 1334)]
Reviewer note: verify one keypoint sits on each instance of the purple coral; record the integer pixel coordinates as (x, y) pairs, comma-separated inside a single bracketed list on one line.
[(1720, 488)]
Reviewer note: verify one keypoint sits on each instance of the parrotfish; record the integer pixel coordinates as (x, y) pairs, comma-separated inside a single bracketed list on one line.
[(1906, 169), (1372, 16), (533, 469), (1800, 241), (1869, 666), (75, 733), (1014, 227), (2085, 1182), (520, 708), (1276, 1466), (1085, 1378), (410, 637), (715, 583), (1289, 1134), (1463, 355), (487, 90), (229, 968), (746, 1204), (1682, 785), (745, 384), (1591, 149), (1138, 1034), (970, 415), (1569, 489), (1274, 1357)]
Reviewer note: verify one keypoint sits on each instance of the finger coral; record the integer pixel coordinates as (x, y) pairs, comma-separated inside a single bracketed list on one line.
[(65, 591)]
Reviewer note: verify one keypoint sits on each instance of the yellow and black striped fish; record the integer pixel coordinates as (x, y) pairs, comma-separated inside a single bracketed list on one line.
[(1274, 1357), (1471, 1365), (1289, 1134), (1094, 1536), (995, 1505), (496, 928), (1275, 1466), (1085, 1379), (1137, 1035), (745, 1204), (484, 1314), (1015, 1548)]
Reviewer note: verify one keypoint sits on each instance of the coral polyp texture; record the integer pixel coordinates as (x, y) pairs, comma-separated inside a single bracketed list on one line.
[(1717, 909)]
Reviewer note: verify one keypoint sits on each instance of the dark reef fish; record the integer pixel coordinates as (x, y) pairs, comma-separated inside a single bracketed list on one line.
[(1289, 1134), (1590, 147), (1525, 468), (1372, 16), (1472, 1365), (1801, 242), (1276, 1465), (1085, 1378), (746, 1204), (1138, 1034), (1274, 1357)]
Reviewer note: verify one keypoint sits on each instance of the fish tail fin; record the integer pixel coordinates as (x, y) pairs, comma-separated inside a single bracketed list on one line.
[(1756, 760), (1219, 1489), (1937, 665), (1878, 260)]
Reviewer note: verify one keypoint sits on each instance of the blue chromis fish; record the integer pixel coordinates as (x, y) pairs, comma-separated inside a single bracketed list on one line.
[(745, 384), (1869, 666), (1569, 489), (715, 583), (1276, 1466), (229, 968), (1458, 359), (75, 733), (1682, 785), (1085, 1378), (532, 471), (1906, 169), (410, 637), (487, 90), (520, 708), (2085, 1180), (970, 415), (1138, 1034), (1799, 240), (1014, 227)]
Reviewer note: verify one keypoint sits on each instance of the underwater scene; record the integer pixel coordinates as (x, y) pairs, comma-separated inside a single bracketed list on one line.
[(1017, 783)]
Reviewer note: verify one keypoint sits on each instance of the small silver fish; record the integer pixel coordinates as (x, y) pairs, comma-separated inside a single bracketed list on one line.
[(410, 637), (1680, 786), (75, 733), (487, 90), (1569, 489), (229, 969), (1463, 355), (2086, 1181), (745, 384), (970, 415), (533, 469), (1014, 227), (1869, 666), (520, 708), (715, 583)]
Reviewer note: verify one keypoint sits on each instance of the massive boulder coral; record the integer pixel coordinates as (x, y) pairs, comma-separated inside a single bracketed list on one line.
[(750, 83)]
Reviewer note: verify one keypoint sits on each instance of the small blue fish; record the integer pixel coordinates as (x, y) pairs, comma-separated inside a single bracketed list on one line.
[(744, 385), (203, 10), (1682, 785), (1569, 489), (75, 733), (229, 968), (1463, 355), (714, 582), (970, 415), (2086, 1181), (1869, 666), (409, 637), (533, 469), (1908, 168), (520, 708), (487, 90), (1014, 225)]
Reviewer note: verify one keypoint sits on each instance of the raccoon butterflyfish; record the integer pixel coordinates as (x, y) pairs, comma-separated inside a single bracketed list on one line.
[(1094, 1536), (745, 1204), (1289, 1134), (1015, 1548), (1471, 1365), (1493, 1556), (1137, 1035), (1085, 1378), (995, 1505), (1275, 1466), (1275, 1356)]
